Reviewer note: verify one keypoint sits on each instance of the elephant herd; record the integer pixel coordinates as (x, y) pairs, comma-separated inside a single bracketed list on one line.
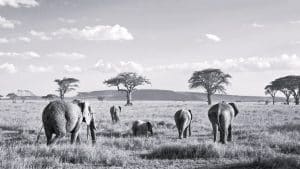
[(60, 118)]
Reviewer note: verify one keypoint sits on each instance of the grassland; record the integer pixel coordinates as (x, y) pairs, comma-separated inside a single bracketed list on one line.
[(265, 136)]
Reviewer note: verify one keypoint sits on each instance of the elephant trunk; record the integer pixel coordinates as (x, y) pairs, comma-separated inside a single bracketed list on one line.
[(92, 129)]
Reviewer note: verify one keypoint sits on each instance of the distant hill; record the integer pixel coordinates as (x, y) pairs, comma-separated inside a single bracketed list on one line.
[(168, 95)]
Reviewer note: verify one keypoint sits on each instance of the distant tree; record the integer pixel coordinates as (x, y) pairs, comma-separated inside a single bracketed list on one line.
[(50, 97), (12, 96), (211, 80), (290, 85), (271, 90), (24, 94), (101, 98), (66, 85), (283, 85), (1, 97), (129, 81)]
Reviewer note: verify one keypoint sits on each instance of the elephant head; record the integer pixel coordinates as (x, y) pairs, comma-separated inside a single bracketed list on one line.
[(236, 111)]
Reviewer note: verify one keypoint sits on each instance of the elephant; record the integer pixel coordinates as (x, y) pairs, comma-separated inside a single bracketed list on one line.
[(60, 118), (140, 128), (114, 112), (221, 116), (183, 120)]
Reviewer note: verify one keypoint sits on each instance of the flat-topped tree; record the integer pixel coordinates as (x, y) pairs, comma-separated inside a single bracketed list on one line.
[(1, 96), (282, 85), (127, 82), (12, 97), (211, 80), (66, 85), (271, 90)]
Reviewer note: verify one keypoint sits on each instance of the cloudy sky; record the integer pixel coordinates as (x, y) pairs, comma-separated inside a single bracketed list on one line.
[(166, 40)]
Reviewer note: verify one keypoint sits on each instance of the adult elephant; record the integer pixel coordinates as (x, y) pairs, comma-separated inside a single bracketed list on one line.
[(183, 120), (141, 128), (60, 118), (114, 112), (221, 116)]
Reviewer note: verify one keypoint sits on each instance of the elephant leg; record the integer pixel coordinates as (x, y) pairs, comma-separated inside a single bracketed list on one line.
[(75, 132), (225, 135), (222, 135), (185, 133), (190, 132), (48, 136), (56, 138), (78, 140), (215, 129), (229, 138)]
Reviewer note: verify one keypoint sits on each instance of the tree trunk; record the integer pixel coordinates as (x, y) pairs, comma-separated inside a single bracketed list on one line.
[(297, 100), (287, 100), (209, 98), (128, 98), (273, 98)]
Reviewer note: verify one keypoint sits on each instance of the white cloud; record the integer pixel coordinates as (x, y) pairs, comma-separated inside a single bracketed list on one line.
[(73, 55), (40, 69), (242, 64), (122, 66), (4, 40), (24, 55), (213, 37), (19, 3), (4, 23), (24, 39), (256, 25), (10, 68), (40, 35), (72, 69), (64, 20), (99, 32)]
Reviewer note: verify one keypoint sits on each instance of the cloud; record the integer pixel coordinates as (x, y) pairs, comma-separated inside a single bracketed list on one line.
[(213, 37), (24, 55), (40, 69), (256, 25), (10, 68), (19, 3), (22, 39), (97, 33), (242, 64), (72, 56), (72, 69), (8, 24), (64, 20), (4, 40), (40, 35), (122, 66)]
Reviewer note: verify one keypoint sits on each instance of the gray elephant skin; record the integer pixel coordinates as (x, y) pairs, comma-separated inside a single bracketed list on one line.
[(221, 116), (142, 128), (115, 112), (60, 118), (183, 120)]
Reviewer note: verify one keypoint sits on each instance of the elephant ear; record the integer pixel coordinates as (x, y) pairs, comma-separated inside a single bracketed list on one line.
[(120, 108), (236, 111), (191, 114), (149, 126)]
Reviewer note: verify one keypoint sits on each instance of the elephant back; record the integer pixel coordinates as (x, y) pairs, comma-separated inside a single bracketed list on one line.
[(140, 127), (61, 116), (183, 116)]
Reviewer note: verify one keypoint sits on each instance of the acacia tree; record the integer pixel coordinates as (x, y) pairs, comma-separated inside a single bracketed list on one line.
[(127, 82), (282, 85), (12, 96), (211, 80), (1, 97), (291, 83), (271, 90), (66, 85)]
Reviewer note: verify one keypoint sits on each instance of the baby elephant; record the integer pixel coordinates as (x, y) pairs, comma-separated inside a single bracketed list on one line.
[(221, 116), (114, 112), (60, 118), (183, 121), (141, 128)]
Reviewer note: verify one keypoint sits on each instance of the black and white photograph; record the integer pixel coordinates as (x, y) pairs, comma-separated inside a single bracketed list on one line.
[(142, 84)]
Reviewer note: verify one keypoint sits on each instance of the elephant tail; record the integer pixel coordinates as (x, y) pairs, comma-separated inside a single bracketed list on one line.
[(38, 136)]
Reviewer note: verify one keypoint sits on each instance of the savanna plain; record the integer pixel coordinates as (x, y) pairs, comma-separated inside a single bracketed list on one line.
[(264, 136)]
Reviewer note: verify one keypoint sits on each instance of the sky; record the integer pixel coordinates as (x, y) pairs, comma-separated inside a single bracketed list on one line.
[(255, 41)]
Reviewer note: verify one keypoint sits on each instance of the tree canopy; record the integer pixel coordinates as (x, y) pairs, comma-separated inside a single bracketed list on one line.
[(66, 85), (127, 82), (211, 80)]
